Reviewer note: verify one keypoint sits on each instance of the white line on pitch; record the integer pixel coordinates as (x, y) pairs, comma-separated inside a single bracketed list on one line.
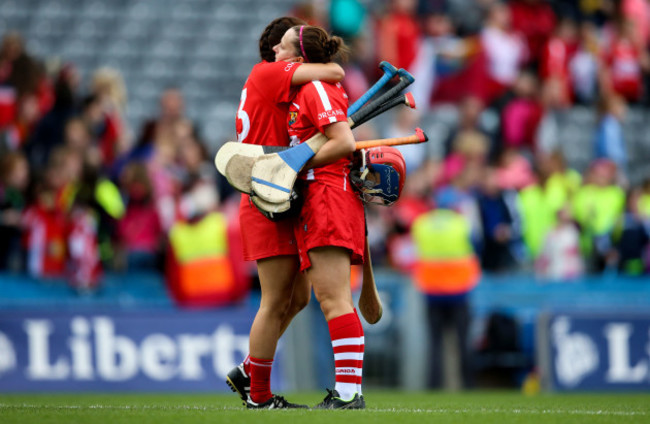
[(389, 410)]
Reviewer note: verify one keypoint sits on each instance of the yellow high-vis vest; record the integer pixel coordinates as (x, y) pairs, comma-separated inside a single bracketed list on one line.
[(201, 252), (446, 264)]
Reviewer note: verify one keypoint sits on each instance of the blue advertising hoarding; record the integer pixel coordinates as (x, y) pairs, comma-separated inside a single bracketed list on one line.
[(123, 351), (605, 352)]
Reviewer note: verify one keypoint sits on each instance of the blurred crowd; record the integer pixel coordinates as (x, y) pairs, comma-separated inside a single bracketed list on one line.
[(526, 62), (81, 192)]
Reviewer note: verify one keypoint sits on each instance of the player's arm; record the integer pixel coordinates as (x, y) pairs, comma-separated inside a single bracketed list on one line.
[(329, 72), (340, 144)]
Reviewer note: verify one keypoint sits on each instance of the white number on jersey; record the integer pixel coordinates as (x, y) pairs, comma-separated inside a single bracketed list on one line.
[(243, 117)]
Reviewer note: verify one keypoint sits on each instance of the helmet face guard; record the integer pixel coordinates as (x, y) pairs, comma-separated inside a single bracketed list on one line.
[(380, 177)]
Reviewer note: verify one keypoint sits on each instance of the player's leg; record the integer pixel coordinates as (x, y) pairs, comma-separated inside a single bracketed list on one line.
[(330, 276), (277, 276), (239, 377), (299, 300)]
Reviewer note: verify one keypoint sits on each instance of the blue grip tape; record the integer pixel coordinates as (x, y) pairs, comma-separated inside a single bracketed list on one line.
[(270, 184), (373, 90), (296, 157)]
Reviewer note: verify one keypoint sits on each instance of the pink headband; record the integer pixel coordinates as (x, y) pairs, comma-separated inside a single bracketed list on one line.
[(302, 49)]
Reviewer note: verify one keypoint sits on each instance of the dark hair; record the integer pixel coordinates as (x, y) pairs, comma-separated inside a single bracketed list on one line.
[(8, 162), (317, 46), (273, 33)]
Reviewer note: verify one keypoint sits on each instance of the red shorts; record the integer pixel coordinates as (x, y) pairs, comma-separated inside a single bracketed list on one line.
[(330, 217), (261, 237)]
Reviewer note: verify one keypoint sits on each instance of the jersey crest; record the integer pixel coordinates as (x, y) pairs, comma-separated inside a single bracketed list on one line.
[(293, 115)]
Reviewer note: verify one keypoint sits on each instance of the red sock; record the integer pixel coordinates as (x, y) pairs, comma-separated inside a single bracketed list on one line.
[(247, 365), (347, 337), (260, 379)]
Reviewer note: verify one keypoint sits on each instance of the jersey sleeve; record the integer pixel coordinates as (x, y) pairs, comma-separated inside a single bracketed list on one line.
[(328, 104), (277, 77)]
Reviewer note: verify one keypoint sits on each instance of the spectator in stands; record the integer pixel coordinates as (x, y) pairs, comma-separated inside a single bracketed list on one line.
[(197, 179), (49, 132), (626, 59), (505, 52), (556, 55), (22, 70), (77, 137), (139, 232), (584, 65), (83, 265), (470, 111), (16, 133), (103, 128), (542, 201), (415, 200), (514, 170), (402, 125), (522, 114), (501, 222), (162, 169), (534, 19), (108, 86), (45, 220), (460, 195), (311, 12), (103, 198), (361, 64), (632, 237), (14, 179), (597, 206), (638, 13), (172, 111), (547, 135), (442, 58), (471, 147), (560, 258), (11, 48), (644, 199), (399, 34), (609, 140), (559, 177)]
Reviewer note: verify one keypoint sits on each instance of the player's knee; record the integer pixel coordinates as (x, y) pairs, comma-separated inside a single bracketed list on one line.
[(277, 307), (300, 300)]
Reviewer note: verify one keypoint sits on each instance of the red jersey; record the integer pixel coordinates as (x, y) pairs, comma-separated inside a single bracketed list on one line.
[(45, 240), (264, 103), (315, 106), (624, 60), (84, 263), (261, 119)]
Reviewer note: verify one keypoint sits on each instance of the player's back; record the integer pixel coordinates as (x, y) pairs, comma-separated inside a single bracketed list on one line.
[(263, 107)]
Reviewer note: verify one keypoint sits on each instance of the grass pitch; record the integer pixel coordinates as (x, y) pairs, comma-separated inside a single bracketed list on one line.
[(383, 407)]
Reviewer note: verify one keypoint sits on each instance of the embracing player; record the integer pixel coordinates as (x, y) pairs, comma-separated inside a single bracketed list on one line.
[(261, 119), (330, 229)]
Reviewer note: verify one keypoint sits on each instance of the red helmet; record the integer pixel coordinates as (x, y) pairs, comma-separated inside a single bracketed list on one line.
[(380, 176)]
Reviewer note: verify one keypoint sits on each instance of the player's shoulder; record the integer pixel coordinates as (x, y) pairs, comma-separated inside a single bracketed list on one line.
[(279, 67), (323, 89), (320, 87)]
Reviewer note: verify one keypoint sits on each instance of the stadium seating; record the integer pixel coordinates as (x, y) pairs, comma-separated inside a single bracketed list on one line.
[(207, 48)]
